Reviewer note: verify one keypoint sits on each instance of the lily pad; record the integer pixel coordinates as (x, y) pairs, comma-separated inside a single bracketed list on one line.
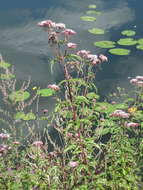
[(105, 44), (45, 92), (7, 76), (93, 12), (88, 18), (26, 117), (140, 47), (127, 42), (119, 51), (140, 41), (4, 65), (92, 6), (19, 96), (96, 31), (128, 32)]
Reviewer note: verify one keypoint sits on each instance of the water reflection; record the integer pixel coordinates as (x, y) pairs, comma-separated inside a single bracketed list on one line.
[(25, 45)]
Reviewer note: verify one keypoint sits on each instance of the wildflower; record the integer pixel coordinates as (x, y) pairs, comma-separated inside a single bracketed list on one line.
[(53, 37), (45, 111), (69, 32), (47, 23), (4, 136), (113, 102), (93, 58), (73, 164), (69, 134), (103, 58), (38, 143), (54, 87), (139, 77), (83, 53), (132, 124), (34, 88), (71, 45), (16, 142), (60, 25), (133, 81), (132, 110), (140, 83), (120, 113)]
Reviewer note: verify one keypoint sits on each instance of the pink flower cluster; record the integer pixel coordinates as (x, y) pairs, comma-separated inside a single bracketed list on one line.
[(132, 124), (4, 136), (4, 149), (54, 87), (71, 45), (138, 81), (38, 144), (94, 59), (120, 113), (73, 164)]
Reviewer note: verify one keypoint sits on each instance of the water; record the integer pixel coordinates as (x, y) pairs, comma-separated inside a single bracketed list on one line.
[(24, 45)]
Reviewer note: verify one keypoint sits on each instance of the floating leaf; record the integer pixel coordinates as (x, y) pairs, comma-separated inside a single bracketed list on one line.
[(7, 76), (140, 41), (45, 92), (19, 115), (140, 47), (26, 117), (93, 12), (119, 51), (96, 31), (4, 65), (19, 96), (105, 44), (88, 18), (92, 6), (127, 42), (128, 32)]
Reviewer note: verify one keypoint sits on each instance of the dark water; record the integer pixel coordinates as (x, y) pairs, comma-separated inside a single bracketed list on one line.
[(24, 45)]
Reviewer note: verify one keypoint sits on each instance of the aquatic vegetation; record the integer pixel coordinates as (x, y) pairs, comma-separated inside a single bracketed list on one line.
[(92, 6), (105, 44), (88, 18), (140, 41), (45, 92), (92, 12), (127, 42), (7, 76), (128, 32), (25, 117), (4, 65), (140, 46), (96, 31), (18, 96), (119, 51)]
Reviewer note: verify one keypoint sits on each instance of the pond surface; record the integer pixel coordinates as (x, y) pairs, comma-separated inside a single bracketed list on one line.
[(24, 44)]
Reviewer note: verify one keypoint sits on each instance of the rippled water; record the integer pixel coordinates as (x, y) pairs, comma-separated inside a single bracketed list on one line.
[(24, 45)]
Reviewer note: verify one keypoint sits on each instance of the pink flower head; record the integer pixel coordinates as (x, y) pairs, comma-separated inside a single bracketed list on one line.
[(4, 136), (69, 135), (132, 124), (139, 83), (16, 142), (139, 77), (120, 113), (54, 87), (69, 32), (72, 45), (45, 111), (73, 164), (133, 81), (38, 143), (83, 53), (47, 23), (103, 58), (92, 57), (60, 25)]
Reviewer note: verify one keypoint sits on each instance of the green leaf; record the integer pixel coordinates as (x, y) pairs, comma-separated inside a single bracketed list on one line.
[(19, 96), (140, 41), (4, 65), (19, 115), (93, 12), (128, 32), (140, 46), (45, 92), (92, 95), (105, 44), (81, 99), (88, 18), (92, 6), (52, 62), (7, 76), (119, 51), (26, 117), (96, 31), (127, 42), (73, 57)]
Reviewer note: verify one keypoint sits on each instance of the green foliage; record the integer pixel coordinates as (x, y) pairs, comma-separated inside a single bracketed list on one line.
[(128, 32), (88, 18), (18, 96), (119, 51), (45, 92), (96, 31), (127, 42), (105, 44)]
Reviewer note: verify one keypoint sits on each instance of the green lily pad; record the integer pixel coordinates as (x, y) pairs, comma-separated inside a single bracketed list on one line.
[(4, 65), (105, 44), (19, 96), (127, 42), (92, 6), (7, 76), (140, 41), (88, 18), (140, 47), (93, 12), (119, 51), (45, 92), (96, 31), (128, 32), (26, 117)]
